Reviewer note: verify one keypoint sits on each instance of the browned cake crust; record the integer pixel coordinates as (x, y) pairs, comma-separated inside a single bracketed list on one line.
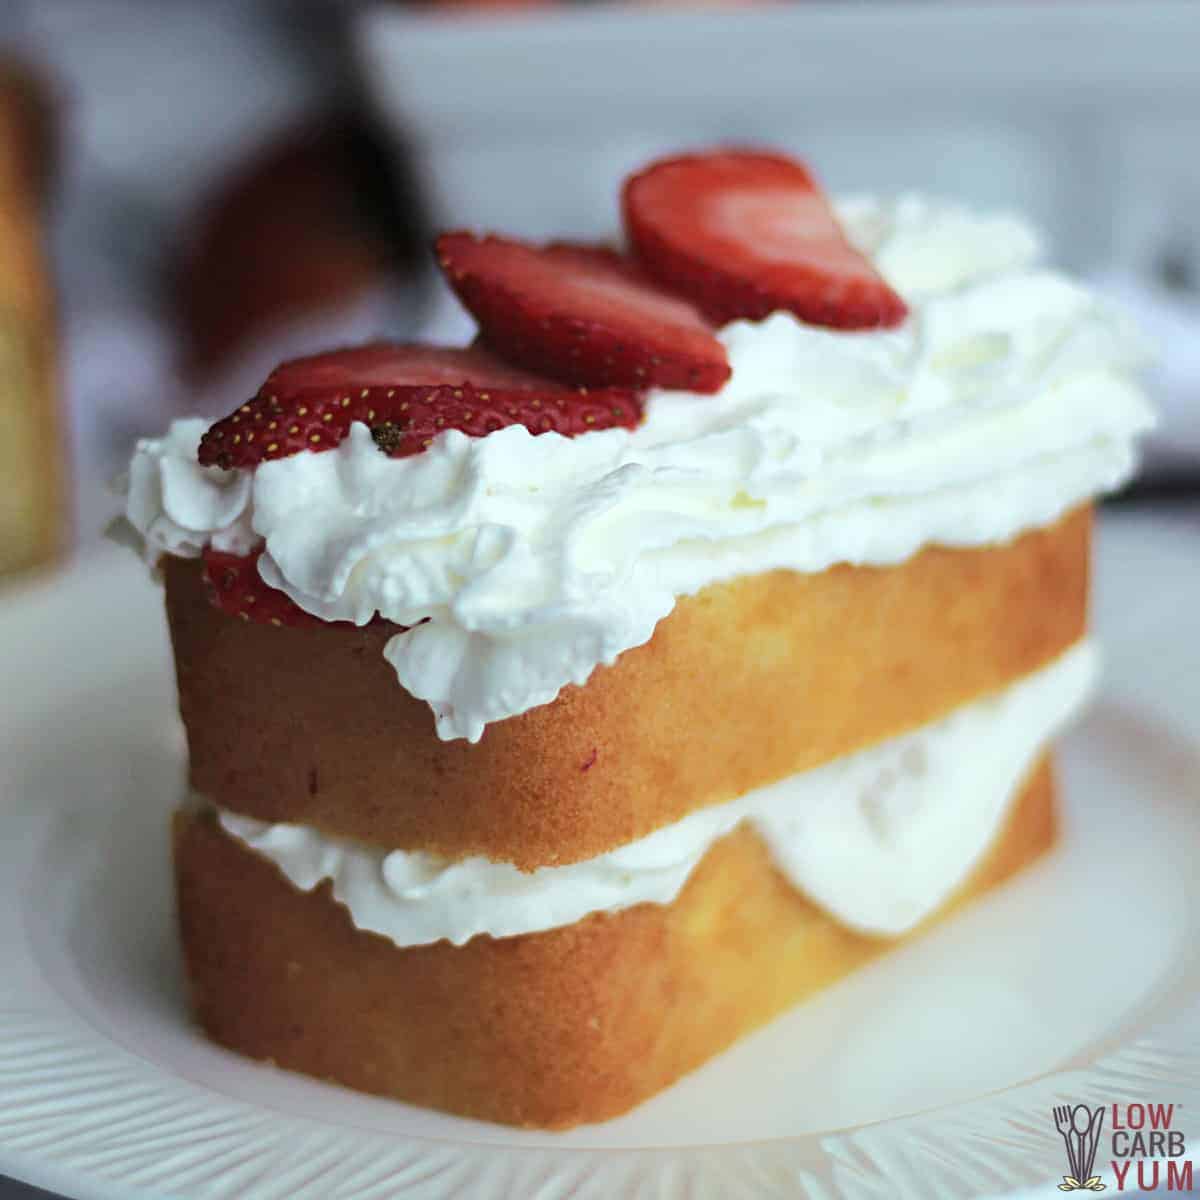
[(743, 684), (547, 1029), (33, 494)]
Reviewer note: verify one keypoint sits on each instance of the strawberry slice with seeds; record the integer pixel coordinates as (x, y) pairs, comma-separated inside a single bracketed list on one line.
[(407, 395), (743, 234), (583, 314), (236, 588)]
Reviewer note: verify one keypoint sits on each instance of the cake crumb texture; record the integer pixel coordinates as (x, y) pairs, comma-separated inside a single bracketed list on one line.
[(743, 684), (548, 1029)]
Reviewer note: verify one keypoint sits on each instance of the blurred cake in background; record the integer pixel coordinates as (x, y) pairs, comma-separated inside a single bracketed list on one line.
[(33, 520)]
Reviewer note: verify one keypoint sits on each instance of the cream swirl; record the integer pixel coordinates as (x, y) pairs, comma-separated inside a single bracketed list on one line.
[(178, 506), (1005, 399)]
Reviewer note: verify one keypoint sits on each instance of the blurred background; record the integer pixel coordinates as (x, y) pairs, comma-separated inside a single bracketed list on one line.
[(190, 191)]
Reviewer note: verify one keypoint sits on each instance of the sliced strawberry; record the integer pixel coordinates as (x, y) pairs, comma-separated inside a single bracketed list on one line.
[(743, 234), (581, 313), (407, 395), (236, 588), (392, 364)]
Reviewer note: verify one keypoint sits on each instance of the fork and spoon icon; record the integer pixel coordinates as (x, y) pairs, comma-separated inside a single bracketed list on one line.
[(1080, 1129)]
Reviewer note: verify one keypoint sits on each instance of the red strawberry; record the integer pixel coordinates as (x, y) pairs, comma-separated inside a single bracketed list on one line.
[(743, 234), (236, 588), (407, 394), (581, 313)]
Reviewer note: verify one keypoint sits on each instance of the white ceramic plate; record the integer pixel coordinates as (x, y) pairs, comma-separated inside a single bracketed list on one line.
[(931, 1073)]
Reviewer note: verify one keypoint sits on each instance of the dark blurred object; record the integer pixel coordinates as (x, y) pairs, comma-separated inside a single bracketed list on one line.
[(484, 6), (10, 1189), (308, 227), (33, 520), (30, 125)]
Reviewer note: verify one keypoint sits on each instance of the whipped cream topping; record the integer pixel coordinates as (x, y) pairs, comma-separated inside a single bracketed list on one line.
[(178, 506), (879, 839), (1008, 397)]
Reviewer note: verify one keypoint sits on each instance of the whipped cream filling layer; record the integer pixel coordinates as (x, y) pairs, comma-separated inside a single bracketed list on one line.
[(521, 563), (879, 839)]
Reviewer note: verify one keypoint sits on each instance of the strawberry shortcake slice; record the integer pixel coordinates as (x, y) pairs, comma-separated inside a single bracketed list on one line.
[(563, 707)]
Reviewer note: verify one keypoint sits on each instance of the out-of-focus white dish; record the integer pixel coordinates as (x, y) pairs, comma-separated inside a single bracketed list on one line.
[(932, 1072), (528, 122)]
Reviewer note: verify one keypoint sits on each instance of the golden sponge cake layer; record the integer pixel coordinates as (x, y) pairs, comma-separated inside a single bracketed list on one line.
[(743, 684), (550, 1029)]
